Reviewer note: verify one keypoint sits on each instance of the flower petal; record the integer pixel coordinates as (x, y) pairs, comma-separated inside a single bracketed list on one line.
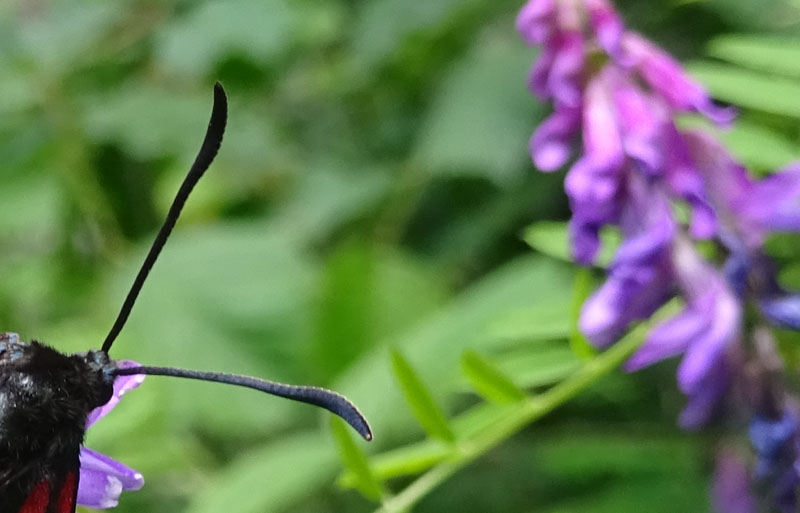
[(537, 77), (667, 77), (607, 25), (668, 339), (563, 81), (602, 139), (774, 202), (641, 122), (103, 479), (702, 404), (783, 310), (550, 145), (535, 21), (122, 384), (723, 313), (685, 181), (730, 489)]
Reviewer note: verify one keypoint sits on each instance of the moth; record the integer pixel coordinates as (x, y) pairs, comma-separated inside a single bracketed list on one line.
[(46, 396)]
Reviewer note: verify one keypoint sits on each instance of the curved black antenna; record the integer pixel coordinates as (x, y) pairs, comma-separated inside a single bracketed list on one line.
[(331, 401), (211, 143)]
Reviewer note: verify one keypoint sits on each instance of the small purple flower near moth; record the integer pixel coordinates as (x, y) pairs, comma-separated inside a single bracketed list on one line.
[(103, 479)]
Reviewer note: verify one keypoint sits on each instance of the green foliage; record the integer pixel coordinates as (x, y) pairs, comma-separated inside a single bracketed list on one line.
[(488, 380), (373, 191), (422, 405), (581, 291), (778, 55), (771, 94), (355, 461)]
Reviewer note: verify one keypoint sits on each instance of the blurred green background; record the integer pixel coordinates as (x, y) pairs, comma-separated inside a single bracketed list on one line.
[(372, 192)]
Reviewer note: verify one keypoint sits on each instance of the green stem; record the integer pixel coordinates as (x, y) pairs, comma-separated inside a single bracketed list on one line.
[(528, 411)]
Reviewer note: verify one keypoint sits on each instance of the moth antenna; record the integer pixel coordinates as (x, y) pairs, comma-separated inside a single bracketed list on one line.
[(331, 401), (211, 144)]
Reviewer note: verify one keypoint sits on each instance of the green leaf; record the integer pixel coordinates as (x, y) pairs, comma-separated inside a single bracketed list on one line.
[(403, 461), (537, 366), (329, 196), (271, 478), (543, 322), (425, 410), (583, 288), (383, 26), (758, 91), (488, 380), (344, 319), (148, 122), (192, 44), (480, 120), (773, 54), (420, 456), (355, 461), (552, 239)]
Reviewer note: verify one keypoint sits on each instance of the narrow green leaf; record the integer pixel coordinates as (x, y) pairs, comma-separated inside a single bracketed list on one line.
[(758, 91), (542, 322), (488, 380), (552, 239), (772, 54), (581, 291), (423, 407), (539, 366), (355, 461), (418, 457), (403, 461)]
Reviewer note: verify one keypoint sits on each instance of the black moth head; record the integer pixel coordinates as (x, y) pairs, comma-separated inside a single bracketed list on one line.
[(53, 386)]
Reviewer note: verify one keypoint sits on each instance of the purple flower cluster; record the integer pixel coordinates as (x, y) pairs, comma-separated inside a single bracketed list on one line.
[(620, 93)]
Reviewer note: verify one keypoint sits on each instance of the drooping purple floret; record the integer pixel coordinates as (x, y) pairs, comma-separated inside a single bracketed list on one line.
[(103, 479)]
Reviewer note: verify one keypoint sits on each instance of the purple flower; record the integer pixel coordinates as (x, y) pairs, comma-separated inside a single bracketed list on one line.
[(535, 21), (103, 479), (634, 167), (730, 491), (558, 72), (708, 323), (640, 275), (703, 402), (782, 310), (748, 210), (776, 443), (606, 24), (551, 143), (668, 79)]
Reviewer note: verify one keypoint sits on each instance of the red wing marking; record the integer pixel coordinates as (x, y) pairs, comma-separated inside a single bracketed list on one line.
[(38, 499), (66, 497)]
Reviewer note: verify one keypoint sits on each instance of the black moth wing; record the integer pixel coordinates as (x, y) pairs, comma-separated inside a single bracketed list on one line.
[(45, 397)]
